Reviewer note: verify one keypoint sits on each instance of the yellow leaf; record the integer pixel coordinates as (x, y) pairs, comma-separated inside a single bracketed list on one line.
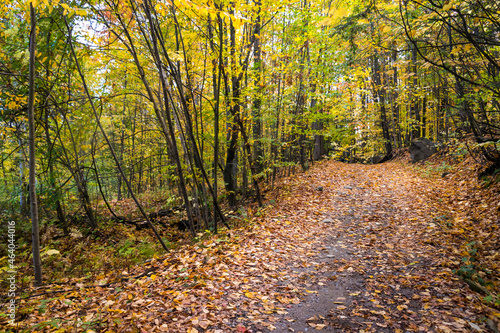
[(51, 252), (65, 6), (153, 277), (340, 13), (447, 7)]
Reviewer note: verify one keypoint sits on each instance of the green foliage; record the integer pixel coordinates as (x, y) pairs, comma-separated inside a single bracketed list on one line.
[(136, 250), (488, 180), (53, 323), (460, 152), (467, 271), (436, 170), (471, 269), (495, 301), (9, 198)]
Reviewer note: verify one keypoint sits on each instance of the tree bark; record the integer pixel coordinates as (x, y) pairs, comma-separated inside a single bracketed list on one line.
[(257, 101), (35, 232), (379, 90)]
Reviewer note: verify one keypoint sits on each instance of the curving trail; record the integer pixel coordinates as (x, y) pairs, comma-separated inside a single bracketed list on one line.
[(345, 248), (379, 265)]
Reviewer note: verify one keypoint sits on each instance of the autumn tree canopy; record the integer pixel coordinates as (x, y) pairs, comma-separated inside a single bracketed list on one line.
[(200, 102)]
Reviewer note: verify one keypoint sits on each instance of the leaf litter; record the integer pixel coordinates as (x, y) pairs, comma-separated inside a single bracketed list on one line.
[(380, 247)]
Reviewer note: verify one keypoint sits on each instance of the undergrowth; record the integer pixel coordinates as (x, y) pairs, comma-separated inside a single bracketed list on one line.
[(112, 247), (466, 198)]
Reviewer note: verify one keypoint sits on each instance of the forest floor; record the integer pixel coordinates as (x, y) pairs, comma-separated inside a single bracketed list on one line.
[(343, 248)]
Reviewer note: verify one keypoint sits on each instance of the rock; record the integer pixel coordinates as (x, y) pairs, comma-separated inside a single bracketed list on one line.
[(445, 174), (319, 188), (348, 187), (421, 149), (327, 220)]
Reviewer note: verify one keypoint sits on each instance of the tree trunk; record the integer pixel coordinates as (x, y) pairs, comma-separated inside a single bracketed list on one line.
[(216, 77), (379, 90), (415, 105), (256, 107), (424, 117), (35, 233), (122, 143), (395, 105), (232, 135)]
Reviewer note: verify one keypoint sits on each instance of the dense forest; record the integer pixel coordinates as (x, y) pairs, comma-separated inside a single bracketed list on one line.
[(196, 105)]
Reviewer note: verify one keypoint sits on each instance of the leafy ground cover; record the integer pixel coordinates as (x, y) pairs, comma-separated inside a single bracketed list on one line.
[(343, 248)]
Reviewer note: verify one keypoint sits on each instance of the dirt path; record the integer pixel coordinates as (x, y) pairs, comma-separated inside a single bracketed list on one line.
[(376, 269), (345, 248)]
